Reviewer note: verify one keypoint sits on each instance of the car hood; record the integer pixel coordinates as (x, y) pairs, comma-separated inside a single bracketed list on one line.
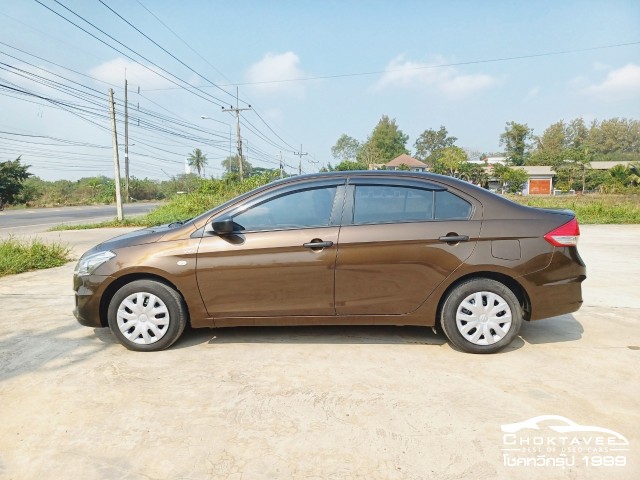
[(137, 237)]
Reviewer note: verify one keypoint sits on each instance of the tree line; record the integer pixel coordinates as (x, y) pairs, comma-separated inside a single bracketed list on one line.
[(18, 186), (567, 147)]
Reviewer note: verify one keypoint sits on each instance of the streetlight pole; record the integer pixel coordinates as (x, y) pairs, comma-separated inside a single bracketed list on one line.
[(204, 117)]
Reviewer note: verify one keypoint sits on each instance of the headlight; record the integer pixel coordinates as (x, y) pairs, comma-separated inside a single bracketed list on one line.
[(88, 264)]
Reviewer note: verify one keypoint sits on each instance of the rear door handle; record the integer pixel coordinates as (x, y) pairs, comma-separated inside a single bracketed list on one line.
[(317, 245), (454, 238)]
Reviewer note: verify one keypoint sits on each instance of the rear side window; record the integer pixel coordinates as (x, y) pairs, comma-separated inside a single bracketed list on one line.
[(390, 204), (451, 207), (397, 204)]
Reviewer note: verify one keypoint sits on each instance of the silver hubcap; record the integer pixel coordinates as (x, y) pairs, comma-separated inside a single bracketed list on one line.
[(143, 318), (483, 318)]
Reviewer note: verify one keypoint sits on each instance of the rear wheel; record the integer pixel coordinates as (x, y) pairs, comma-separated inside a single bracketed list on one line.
[(147, 316), (481, 316)]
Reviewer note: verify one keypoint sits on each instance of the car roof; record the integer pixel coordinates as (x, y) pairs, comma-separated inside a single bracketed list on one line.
[(399, 174), (367, 173)]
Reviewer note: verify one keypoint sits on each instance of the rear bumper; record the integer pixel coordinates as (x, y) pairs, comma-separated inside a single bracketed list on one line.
[(557, 289), (559, 299)]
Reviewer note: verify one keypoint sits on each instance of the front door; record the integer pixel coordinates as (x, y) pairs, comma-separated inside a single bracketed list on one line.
[(279, 262)]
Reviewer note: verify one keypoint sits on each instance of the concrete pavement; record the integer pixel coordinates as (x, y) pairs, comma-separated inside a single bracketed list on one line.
[(314, 403)]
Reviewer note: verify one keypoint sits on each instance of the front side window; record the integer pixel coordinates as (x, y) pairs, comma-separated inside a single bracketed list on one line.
[(300, 209), (390, 204)]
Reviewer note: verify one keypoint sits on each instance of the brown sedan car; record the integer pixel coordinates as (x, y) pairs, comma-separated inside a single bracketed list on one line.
[(343, 248)]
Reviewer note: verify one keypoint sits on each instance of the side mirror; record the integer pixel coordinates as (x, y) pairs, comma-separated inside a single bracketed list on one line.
[(224, 227)]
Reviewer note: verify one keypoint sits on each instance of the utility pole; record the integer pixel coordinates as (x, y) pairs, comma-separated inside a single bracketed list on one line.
[(300, 154), (281, 166), (126, 144), (314, 162), (237, 111), (116, 158)]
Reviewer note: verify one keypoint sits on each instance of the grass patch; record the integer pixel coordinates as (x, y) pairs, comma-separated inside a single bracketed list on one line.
[(17, 256), (127, 222), (591, 208), (182, 207)]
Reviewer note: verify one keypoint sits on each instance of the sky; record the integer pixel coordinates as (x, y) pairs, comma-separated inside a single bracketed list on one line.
[(310, 70)]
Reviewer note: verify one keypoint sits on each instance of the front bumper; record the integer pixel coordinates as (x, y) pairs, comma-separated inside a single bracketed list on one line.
[(88, 299)]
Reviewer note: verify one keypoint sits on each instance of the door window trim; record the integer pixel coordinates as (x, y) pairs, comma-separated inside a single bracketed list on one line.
[(350, 191), (334, 219)]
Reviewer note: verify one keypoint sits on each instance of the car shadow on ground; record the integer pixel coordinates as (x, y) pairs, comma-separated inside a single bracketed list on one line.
[(347, 334), (563, 328)]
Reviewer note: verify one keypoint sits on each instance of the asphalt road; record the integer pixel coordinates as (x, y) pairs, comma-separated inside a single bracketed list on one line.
[(35, 220)]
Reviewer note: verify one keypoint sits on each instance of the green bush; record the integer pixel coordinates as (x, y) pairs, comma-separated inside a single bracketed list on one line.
[(18, 256)]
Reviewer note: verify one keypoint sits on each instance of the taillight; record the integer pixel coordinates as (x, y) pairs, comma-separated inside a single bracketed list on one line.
[(564, 236)]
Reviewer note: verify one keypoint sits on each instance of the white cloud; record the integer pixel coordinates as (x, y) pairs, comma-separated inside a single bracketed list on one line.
[(275, 70), (274, 115), (532, 93), (447, 80), (113, 71), (460, 85), (578, 83), (620, 84), (601, 66)]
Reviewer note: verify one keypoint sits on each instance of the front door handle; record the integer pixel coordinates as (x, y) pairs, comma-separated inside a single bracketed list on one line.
[(317, 244), (454, 238)]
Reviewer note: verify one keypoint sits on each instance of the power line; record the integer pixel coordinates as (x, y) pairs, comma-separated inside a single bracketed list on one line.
[(191, 69), (62, 140), (183, 41), (427, 67), (187, 66), (272, 131), (98, 101), (92, 106), (442, 65), (53, 63), (143, 123), (162, 48), (217, 100)]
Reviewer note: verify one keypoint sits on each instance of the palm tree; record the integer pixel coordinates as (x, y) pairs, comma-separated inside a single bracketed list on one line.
[(197, 160)]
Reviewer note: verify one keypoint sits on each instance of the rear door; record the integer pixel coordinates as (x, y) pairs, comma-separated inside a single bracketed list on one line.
[(399, 240)]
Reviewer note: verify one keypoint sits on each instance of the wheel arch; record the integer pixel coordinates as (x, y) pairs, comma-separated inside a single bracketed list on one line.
[(513, 285), (124, 280)]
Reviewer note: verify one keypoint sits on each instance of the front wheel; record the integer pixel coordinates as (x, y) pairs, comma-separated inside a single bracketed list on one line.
[(147, 316), (481, 316)]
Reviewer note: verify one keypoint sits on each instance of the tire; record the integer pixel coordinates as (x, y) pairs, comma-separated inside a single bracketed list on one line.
[(147, 316), (487, 329)]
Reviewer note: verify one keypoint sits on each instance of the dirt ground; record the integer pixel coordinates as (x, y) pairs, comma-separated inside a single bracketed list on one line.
[(325, 402)]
